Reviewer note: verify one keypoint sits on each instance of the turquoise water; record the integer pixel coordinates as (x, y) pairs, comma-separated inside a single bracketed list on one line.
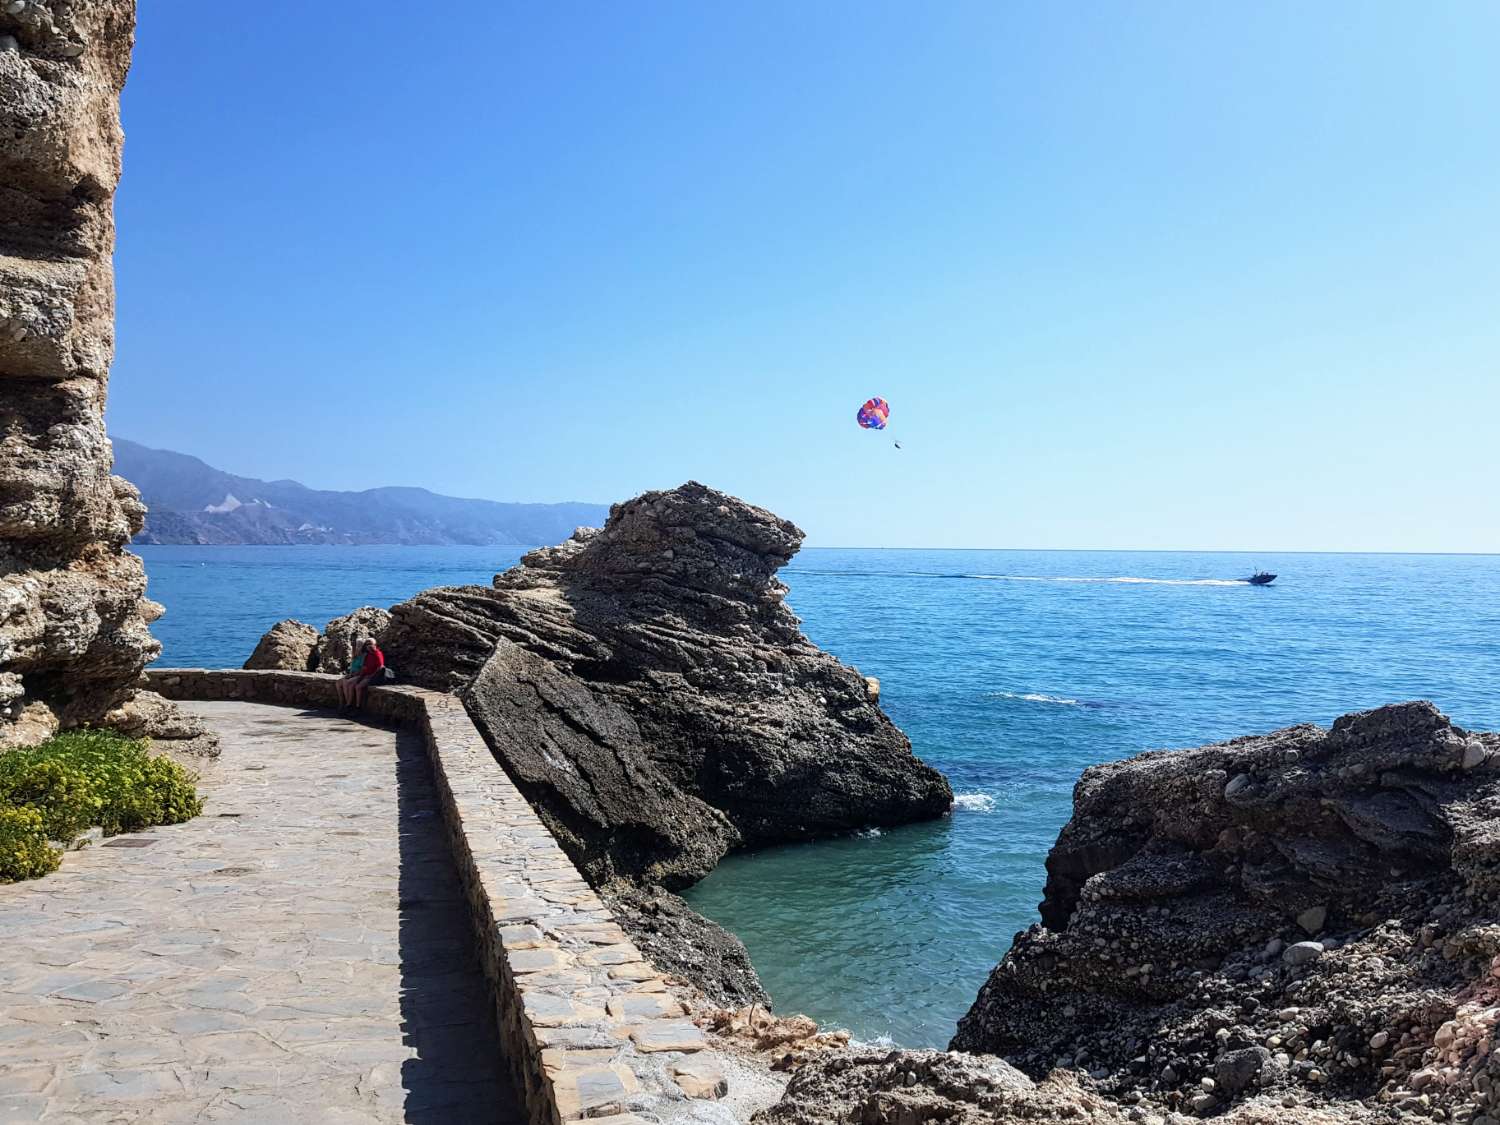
[(1011, 671)]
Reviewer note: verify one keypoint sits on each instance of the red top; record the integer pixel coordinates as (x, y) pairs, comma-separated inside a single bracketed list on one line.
[(374, 662)]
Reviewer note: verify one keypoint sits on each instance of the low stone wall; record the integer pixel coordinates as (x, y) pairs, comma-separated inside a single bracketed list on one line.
[(588, 1025)]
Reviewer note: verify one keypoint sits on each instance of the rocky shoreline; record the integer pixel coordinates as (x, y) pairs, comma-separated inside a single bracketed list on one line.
[(650, 692), (1298, 927), (1295, 927)]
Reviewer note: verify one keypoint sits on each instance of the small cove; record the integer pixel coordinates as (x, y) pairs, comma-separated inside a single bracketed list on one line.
[(1011, 671)]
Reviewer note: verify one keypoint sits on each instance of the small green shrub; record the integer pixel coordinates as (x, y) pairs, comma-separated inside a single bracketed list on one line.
[(65, 798), (24, 851), (79, 779)]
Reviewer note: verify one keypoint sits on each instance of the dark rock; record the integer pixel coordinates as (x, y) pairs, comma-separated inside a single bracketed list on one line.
[(1234, 1071), (678, 940), (653, 696), (1373, 833)]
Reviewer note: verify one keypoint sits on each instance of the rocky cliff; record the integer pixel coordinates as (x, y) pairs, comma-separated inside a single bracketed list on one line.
[(1305, 919), (73, 612), (651, 692)]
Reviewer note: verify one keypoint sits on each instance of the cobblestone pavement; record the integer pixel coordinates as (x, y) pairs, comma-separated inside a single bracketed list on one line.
[(298, 953)]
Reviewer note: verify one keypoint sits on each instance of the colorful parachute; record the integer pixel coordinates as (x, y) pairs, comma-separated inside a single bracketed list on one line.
[(874, 414)]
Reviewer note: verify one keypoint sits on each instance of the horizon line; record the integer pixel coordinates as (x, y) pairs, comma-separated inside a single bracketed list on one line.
[(834, 547)]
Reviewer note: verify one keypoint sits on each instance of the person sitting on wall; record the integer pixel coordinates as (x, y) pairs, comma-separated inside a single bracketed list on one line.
[(367, 666)]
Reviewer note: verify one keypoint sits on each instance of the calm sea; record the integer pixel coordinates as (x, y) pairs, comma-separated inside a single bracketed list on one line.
[(1011, 671)]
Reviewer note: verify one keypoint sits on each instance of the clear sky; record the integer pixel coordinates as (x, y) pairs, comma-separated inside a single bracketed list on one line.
[(1172, 275)]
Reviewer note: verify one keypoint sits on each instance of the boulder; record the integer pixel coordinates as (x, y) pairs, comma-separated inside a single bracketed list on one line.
[(288, 646)]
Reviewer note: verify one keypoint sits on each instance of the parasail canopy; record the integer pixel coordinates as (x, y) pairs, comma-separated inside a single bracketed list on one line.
[(874, 414)]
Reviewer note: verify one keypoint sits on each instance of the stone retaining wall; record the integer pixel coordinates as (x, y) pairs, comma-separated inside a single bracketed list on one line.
[(589, 1027)]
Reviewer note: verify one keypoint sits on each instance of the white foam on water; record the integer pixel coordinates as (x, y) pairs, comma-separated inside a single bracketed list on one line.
[(1037, 697), (1123, 578), (974, 802), (869, 833)]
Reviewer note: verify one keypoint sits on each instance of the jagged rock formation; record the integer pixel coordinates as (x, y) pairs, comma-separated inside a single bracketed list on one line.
[(73, 611), (653, 696), (1305, 920), (292, 646), (651, 693)]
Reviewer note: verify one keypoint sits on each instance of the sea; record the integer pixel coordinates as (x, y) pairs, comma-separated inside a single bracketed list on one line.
[(1011, 671)]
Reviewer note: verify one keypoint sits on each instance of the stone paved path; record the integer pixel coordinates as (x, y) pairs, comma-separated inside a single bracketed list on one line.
[(298, 953)]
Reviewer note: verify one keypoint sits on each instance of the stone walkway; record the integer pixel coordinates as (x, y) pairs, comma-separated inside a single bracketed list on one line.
[(298, 953)]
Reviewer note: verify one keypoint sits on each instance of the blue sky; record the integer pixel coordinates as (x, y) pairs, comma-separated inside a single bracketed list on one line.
[(1156, 275)]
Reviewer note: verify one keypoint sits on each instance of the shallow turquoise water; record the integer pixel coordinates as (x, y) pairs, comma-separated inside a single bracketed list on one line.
[(1011, 671)]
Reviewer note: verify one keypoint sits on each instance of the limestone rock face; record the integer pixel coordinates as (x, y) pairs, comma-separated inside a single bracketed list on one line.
[(1310, 916), (650, 691), (335, 650), (288, 646), (73, 612)]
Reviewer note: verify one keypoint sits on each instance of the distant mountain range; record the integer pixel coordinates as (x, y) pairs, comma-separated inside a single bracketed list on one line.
[(192, 502)]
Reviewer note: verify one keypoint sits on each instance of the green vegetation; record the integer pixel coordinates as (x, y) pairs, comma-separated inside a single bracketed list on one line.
[(75, 781)]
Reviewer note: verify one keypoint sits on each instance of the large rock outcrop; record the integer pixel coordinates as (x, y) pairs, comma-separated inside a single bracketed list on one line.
[(293, 646), (1305, 920), (73, 611), (651, 693)]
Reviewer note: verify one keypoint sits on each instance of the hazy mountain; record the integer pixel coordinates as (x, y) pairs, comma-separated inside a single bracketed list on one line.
[(192, 502)]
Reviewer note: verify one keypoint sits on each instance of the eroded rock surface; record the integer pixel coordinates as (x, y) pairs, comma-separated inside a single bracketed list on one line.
[(1305, 919), (287, 646), (653, 695), (73, 611)]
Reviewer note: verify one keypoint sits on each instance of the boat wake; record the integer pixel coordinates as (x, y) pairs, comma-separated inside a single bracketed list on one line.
[(1122, 579), (1038, 697)]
